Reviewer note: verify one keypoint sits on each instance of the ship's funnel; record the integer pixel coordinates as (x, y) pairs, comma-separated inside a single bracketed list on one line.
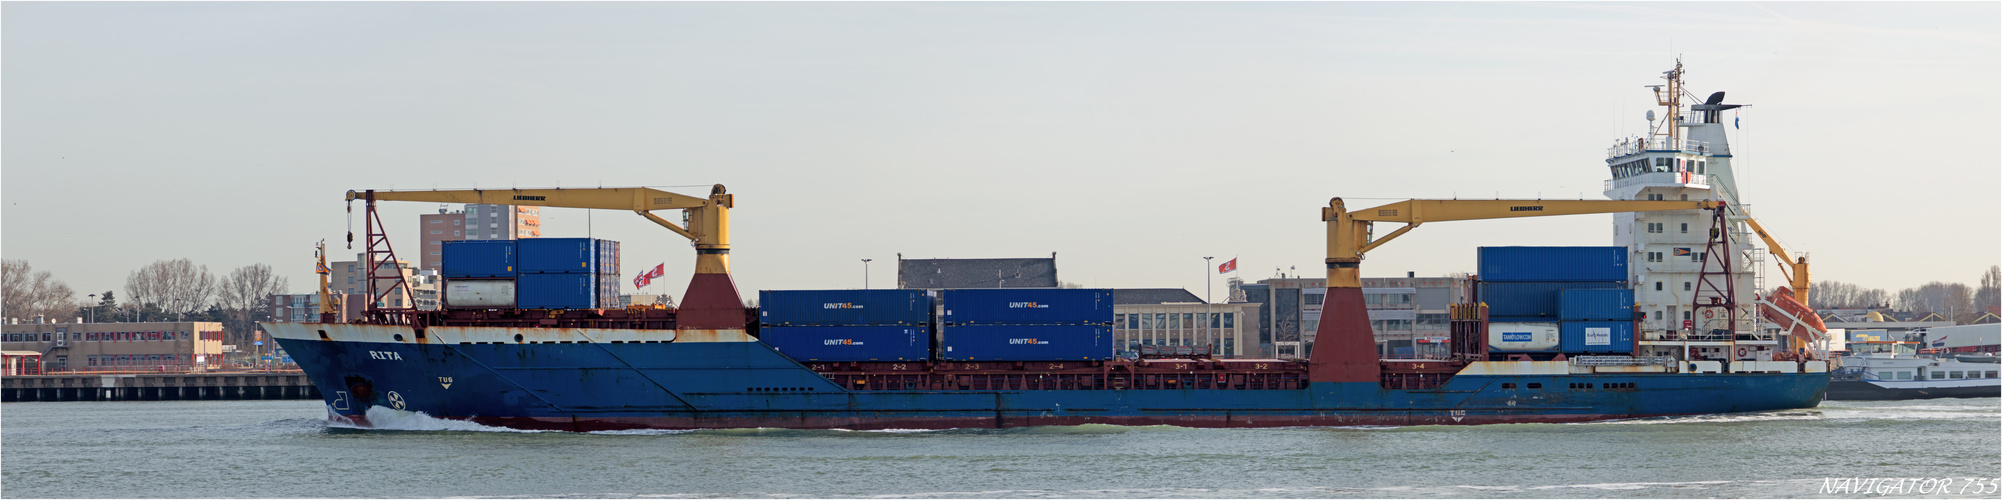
[(1712, 106)]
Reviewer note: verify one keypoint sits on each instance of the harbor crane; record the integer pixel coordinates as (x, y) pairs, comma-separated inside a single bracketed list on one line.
[(1345, 346), (711, 302)]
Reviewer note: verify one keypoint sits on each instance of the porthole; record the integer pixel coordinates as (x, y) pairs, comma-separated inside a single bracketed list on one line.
[(517, 337)]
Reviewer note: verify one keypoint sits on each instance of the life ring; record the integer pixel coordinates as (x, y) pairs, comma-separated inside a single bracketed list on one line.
[(1709, 313), (1742, 352)]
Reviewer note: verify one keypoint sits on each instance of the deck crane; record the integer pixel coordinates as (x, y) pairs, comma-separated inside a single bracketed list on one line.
[(711, 302), (1795, 269), (1788, 305), (1345, 346)]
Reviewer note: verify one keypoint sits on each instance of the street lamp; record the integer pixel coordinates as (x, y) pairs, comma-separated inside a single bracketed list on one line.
[(865, 274), (93, 308)]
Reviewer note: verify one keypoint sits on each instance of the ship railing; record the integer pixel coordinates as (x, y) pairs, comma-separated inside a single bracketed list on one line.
[(165, 369), (1633, 146), (1621, 360)]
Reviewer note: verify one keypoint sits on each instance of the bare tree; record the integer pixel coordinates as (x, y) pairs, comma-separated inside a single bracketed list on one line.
[(177, 286), (25, 293), (1953, 301), (1908, 301), (1875, 297), (142, 287), (1990, 293), (246, 293)]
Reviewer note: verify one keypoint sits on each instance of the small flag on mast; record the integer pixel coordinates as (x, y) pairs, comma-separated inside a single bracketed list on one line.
[(1227, 266)]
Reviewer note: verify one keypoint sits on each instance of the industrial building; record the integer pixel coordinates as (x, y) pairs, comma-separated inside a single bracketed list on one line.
[(305, 307), (502, 222), (1408, 314), (149, 346), (433, 230), (936, 274), (1175, 317), (347, 278)]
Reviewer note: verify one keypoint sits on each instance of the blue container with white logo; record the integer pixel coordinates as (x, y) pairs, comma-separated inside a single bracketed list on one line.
[(844, 307), (1598, 337), (1596, 304), (1027, 306), (1532, 299), (1552, 264), (849, 343), (478, 259), (1026, 343)]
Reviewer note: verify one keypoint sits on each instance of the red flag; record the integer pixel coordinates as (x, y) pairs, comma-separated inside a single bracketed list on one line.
[(646, 278), (1227, 266)]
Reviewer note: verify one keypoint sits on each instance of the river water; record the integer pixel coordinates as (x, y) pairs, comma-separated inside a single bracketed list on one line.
[(287, 449)]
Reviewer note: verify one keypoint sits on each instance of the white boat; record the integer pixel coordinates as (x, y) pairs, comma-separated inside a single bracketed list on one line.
[(1894, 370)]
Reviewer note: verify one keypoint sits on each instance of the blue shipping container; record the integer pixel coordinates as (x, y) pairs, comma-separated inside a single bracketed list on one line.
[(1596, 304), (1027, 306), (850, 343), (560, 291), (1026, 343), (1598, 336), (559, 255), (1552, 263), (844, 307), (478, 259), (1531, 299)]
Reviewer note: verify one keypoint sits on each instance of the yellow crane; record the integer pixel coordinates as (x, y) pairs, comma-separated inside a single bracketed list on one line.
[(1345, 348), (1795, 269), (711, 302)]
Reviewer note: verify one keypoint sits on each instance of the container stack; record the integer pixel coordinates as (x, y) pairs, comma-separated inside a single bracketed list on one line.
[(1026, 324), (567, 273), (1543, 299), (847, 325), (479, 274), (1597, 321)]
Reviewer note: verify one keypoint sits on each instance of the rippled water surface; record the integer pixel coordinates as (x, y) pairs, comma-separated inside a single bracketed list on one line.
[(287, 449)]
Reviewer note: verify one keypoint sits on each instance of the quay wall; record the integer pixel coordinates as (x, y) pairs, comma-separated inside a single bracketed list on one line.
[(158, 386)]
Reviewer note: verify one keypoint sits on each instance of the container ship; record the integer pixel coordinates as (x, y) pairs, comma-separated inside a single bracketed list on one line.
[(531, 337)]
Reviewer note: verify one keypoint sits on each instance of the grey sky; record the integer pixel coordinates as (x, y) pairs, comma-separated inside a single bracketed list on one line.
[(1130, 138)]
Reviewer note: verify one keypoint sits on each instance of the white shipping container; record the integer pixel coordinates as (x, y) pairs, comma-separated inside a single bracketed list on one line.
[(1522, 337), (479, 293)]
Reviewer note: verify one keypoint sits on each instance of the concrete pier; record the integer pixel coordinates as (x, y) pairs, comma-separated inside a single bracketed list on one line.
[(157, 387)]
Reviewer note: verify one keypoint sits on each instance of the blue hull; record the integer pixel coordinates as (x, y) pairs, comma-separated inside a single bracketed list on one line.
[(686, 385)]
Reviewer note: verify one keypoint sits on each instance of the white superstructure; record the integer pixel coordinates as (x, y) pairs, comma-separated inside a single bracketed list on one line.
[(1685, 156)]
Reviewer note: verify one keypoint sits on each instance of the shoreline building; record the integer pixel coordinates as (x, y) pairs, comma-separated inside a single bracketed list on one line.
[(433, 230), (502, 222), (1175, 317), (146, 346), (1409, 316)]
